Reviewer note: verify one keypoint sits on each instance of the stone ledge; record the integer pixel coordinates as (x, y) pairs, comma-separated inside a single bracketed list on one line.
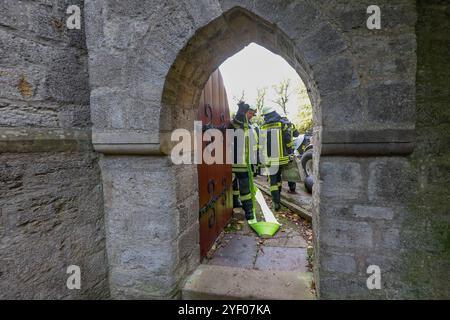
[(368, 149), (353, 136), (129, 148), (27, 139), (368, 142), (126, 142)]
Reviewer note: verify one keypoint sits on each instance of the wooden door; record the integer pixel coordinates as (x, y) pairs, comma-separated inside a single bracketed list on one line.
[(215, 180)]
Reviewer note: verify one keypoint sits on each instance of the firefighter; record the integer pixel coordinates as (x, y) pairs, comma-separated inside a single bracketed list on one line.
[(242, 196), (284, 133), (290, 147)]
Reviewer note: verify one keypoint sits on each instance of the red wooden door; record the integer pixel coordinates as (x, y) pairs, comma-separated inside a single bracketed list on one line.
[(214, 180)]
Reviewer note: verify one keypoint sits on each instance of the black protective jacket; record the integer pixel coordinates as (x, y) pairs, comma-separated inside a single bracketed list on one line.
[(289, 130)]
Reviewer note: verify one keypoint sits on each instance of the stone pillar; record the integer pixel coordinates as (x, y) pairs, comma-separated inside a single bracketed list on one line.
[(152, 225)]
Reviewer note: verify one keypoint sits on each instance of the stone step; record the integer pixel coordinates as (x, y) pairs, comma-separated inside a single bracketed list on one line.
[(212, 282)]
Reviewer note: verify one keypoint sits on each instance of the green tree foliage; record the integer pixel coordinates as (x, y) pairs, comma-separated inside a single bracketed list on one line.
[(282, 92), (304, 119), (260, 100), (239, 99)]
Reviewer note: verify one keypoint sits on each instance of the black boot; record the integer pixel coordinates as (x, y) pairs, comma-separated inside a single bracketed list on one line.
[(276, 200), (292, 186), (249, 215), (247, 205), (236, 202), (276, 206)]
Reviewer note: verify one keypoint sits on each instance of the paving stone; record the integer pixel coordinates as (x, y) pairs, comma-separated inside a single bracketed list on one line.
[(282, 259), (275, 242), (239, 251), (219, 282), (296, 241)]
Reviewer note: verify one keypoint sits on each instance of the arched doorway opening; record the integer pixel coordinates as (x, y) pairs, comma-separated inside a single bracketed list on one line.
[(228, 245), (225, 36)]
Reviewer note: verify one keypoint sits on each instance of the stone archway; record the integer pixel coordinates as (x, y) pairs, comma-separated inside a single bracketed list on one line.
[(146, 78)]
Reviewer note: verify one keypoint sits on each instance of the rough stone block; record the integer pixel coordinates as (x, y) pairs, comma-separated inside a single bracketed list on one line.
[(203, 12), (391, 238), (387, 264), (390, 179), (94, 25), (330, 209), (343, 109), (114, 108), (16, 114), (353, 19), (188, 242), (226, 5), (338, 263), (187, 174), (148, 79), (188, 211), (67, 78), (335, 75), (132, 8), (129, 284), (289, 22), (14, 50), (22, 83), (123, 33), (13, 14), (75, 116), (346, 234), (398, 15), (391, 103), (342, 172), (346, 286), (385, 58), (393, 15), (323, 43), (171, 29), (372, 212), (107, 70)]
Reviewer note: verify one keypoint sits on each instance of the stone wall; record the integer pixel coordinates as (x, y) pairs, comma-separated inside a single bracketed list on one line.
[(51, 205), (425, 235), (362, 85), (360, 199), (374, 204), (393, 211)]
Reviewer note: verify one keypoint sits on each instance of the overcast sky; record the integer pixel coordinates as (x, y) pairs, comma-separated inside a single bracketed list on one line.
[(256, 67)]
